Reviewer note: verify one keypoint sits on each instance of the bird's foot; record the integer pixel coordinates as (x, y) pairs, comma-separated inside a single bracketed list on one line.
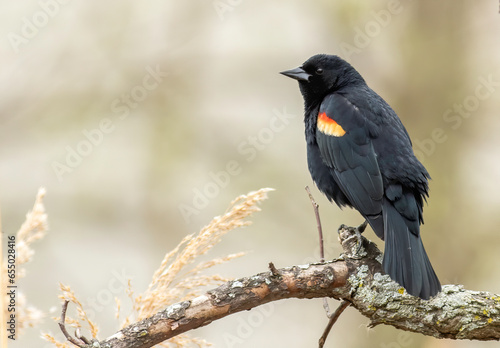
[(346, 234), (357, 231)]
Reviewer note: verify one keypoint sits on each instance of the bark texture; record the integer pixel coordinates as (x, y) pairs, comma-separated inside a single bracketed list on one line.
[(454, 313)]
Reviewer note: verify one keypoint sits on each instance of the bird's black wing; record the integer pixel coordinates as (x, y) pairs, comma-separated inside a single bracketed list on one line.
[(344, 139)]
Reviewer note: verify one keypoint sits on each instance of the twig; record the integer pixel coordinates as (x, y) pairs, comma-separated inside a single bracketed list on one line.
[(318, 222), (333, 317), (273, 270), (78, 334), (79, 343), (326, 307), (332, 321)]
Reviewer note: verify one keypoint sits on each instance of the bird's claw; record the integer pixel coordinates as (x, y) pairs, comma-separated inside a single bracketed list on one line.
[(361, 228), (352, 250), (357, 232)]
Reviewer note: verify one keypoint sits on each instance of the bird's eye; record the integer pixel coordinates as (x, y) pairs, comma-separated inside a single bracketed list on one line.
[(319, 71)]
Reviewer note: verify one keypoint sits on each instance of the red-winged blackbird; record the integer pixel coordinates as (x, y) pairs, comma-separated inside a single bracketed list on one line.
[(359, 155)]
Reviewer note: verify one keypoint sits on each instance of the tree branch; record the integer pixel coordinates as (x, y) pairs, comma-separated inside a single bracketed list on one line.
[(62, 325), (454, 313), (333, 318)]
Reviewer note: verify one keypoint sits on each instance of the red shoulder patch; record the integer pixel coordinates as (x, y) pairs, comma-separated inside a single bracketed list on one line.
[(328, 126)]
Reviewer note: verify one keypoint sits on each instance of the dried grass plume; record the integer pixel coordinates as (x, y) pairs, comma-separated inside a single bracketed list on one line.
[(178, 278), (34, 228)]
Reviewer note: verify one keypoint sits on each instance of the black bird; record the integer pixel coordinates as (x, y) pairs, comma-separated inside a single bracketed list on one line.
[(360, 155)]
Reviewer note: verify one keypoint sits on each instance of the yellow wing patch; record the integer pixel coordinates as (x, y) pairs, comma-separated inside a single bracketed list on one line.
[(328, 126)]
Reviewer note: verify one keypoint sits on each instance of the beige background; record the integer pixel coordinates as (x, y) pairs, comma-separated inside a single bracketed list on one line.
[(115, 211)]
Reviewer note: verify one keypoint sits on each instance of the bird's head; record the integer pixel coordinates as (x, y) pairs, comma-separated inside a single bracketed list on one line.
[(323, 74)]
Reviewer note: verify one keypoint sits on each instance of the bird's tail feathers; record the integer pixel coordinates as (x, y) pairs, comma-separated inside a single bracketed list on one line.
[(405, 259)]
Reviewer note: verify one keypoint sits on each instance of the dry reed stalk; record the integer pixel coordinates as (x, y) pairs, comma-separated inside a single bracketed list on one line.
[(34, 228), (173, 281)]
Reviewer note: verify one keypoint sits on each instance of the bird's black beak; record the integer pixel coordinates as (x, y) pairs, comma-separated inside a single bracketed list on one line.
[(298, 74)]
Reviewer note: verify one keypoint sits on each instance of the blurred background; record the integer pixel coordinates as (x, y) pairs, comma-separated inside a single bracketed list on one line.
[(143, 120)]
